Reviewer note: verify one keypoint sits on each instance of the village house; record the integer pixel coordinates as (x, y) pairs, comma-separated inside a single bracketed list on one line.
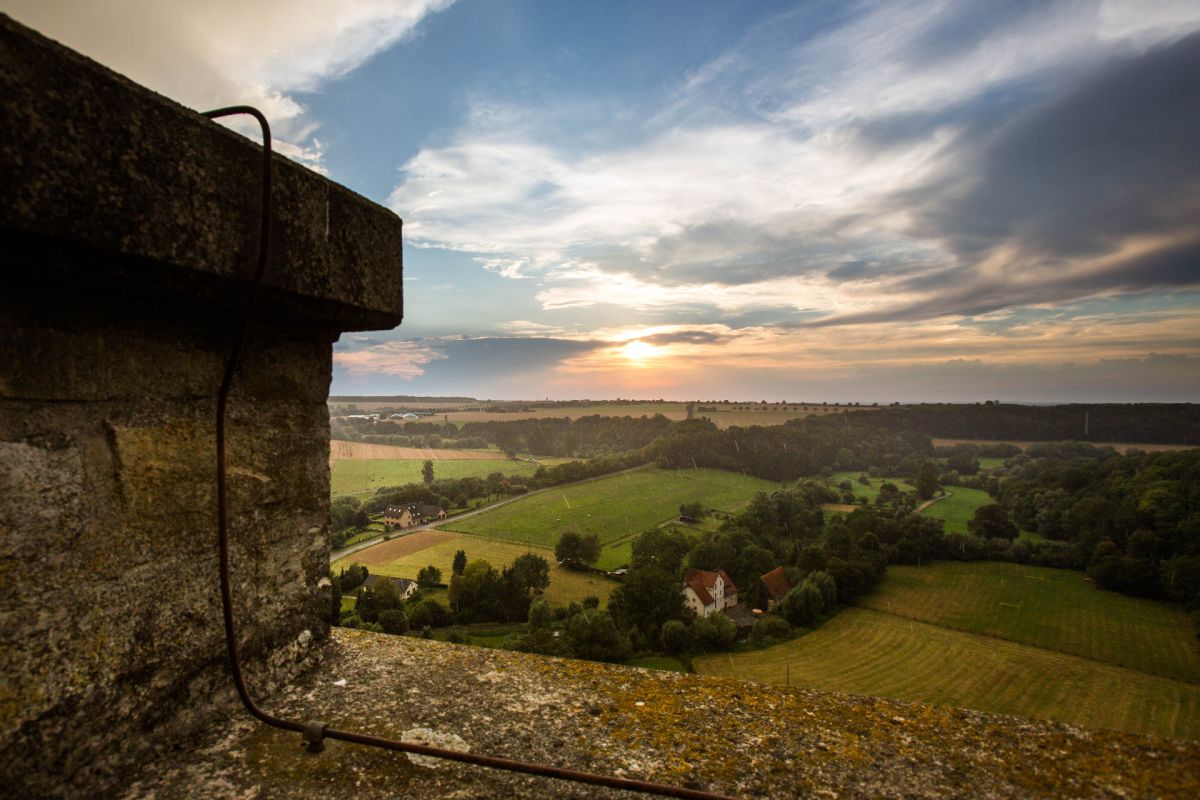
[(412, 514), (775, 586), (405, 588), (708, 592)]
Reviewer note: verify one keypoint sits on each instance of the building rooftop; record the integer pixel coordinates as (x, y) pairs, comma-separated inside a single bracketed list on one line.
[(748, 740)]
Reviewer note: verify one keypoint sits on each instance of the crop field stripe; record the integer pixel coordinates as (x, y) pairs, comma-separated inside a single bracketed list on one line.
[(872, 653), (1047, 608)]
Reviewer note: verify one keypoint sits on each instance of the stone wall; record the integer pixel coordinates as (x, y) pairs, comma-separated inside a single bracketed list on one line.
[(128, 227)]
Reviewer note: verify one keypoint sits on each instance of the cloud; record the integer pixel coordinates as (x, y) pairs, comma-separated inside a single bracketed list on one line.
[(404, 359), (913, 159), (230, 52)]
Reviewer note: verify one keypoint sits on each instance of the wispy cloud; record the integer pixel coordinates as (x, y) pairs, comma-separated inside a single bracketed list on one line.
[(402, 359), (915, 160)]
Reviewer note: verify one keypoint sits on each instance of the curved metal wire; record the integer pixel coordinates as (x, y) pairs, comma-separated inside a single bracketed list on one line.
[(315, 731)]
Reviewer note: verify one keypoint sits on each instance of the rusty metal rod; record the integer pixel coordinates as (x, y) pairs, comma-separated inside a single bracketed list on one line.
[(322, 731)]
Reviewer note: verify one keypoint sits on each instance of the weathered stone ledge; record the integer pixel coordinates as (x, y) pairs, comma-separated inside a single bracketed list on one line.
[(748, 740)]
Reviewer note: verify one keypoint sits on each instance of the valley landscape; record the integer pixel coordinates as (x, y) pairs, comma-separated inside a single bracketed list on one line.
[(932, 605)]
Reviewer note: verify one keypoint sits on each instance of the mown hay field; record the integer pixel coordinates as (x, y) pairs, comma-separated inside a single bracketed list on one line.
[(1050, 608), (956, 509), (365, 476), (404, 559), (868, 652), (615, 508)]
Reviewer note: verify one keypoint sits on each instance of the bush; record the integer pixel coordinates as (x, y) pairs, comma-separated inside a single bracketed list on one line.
[(802, 605), (539, 615), (593, 635), (429, 614), (394, 620), (675, 638), (769, 629), (429, 576), (827, 587), (714, 632)]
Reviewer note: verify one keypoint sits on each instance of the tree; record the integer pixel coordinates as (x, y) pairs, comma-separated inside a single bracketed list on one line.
[(335, 608), (675, 638), (992, 522), (530, 573), (394, 620), (714, 632), (694, 510), (577, 551), (594, 635), (927, 482), (663, 548), (647, 598), (460, 562), (802, 605), (477, 593), (429, 576), (539, 615), (427, 471)]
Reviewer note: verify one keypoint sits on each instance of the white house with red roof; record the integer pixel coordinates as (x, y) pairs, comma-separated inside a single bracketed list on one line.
[(708, 592)]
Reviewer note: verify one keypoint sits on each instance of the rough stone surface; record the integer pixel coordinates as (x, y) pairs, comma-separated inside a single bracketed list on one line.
[(90, 160), (128, 226), (742, 739)]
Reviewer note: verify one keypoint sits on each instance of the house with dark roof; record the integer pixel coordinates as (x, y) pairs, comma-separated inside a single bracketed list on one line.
[(412, 514), (775, 586), (707, 592), (404, 586)]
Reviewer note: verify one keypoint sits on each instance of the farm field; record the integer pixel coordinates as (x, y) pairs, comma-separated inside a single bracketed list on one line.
[(404, 556), (740, 414), (340, 449), (869, 493), (1048, 608), (957, 508), (1120, 447), (365, 476), (615, 508), (864, 651)]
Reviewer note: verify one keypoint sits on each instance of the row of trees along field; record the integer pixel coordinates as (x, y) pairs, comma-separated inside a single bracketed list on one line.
[(583, 437), (1158, 423)]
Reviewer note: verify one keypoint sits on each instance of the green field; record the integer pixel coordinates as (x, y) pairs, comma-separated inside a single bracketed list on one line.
[(868, 493), (668, 663), (868, 652), (1049, 608), (959, 507), (615, 508), (364, 476), (565, 585)]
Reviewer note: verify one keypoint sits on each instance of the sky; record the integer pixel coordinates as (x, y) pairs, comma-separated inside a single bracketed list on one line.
[(806, 201)]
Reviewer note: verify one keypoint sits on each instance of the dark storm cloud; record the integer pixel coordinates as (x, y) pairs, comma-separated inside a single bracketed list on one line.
[(1117, 157), (1067, 182)]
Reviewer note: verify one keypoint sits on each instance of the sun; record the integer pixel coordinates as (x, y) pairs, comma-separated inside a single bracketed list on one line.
[(638, 351)]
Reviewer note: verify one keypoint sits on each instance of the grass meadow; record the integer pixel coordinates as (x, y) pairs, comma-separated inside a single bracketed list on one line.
[(1049, 608), (365, 476), (398, 562), (616, 508), (869, 652), (957, 508)]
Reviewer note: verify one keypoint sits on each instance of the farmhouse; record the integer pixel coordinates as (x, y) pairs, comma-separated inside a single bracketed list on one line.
[(708, 592), (398, 516), (404, 586), (775, 586), (412, 514)]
